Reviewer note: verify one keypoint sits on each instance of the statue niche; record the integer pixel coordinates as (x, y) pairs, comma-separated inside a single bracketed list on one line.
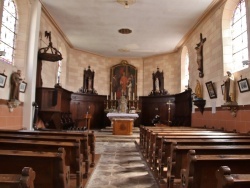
[(88, 81), (158, 83)]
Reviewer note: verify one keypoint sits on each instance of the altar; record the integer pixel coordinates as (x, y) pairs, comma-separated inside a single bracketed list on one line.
[(122, 123)]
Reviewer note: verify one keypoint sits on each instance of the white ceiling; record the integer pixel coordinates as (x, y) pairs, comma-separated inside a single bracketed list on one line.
[(158, 26)]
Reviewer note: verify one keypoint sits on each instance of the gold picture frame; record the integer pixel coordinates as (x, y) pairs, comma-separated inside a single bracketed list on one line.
[(123, 81)]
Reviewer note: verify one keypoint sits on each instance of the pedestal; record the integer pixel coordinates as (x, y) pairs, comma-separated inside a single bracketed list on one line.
[(122, 123), (123, 126)]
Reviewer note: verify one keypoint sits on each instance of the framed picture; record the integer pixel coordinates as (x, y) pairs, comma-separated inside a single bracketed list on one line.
[(211, 90), (22, 87), (243, 85), (222, 89), (123, 81), (3, 79)]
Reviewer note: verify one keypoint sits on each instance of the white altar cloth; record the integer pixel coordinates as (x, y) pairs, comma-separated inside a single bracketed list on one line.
[(122, 116)]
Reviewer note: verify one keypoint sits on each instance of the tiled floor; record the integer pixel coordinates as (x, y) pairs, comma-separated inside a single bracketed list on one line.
[(120, 166)]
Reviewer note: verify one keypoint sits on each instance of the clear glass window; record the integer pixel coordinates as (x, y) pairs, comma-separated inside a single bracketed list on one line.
[(239, 37), (186, 70), (8, 26), (59, 71)]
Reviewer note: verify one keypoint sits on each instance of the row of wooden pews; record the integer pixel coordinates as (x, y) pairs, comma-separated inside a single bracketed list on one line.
[(59, 158), (189, 157), (25, 179)]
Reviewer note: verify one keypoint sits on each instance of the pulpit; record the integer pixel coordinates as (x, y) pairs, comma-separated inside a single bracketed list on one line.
[(122, 123)]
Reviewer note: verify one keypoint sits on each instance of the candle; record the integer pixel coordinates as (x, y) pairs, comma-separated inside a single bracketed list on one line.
[(115, 95), (111, 96), (107, 97)]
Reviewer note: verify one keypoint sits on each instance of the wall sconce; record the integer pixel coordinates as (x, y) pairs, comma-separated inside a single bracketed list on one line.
[(13, 104), (126, 3), (233, 109)]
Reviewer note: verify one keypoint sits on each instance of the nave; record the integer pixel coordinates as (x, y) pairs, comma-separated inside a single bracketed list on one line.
[(120, 164)]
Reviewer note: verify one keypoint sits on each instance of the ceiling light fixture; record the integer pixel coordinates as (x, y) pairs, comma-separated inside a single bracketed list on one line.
[(126, 3), (125, 31), (2, 53)]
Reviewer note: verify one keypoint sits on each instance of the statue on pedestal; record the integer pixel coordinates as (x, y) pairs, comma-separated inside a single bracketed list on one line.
[(122, 106), (198, 91), (229, 92), (15, 81)]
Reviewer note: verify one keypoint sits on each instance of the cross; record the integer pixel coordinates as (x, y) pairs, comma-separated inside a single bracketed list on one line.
[(169, 109)]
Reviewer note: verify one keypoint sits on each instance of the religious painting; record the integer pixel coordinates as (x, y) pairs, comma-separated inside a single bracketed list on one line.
[(3, 79), (243, 85), (123, 81), (211, 90), (22, 87)]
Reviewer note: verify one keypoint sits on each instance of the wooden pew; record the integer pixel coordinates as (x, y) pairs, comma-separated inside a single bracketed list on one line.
[(82, 134), (152, 136), (50, 168), (145, 132), (161, 163), (23, 180), (178, 157), (73, 158), (56, 138), (200, 171), (225, 179), (155, 144), (144, 129)]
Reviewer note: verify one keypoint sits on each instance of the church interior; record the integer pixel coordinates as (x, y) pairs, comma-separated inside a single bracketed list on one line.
[(125, 93)]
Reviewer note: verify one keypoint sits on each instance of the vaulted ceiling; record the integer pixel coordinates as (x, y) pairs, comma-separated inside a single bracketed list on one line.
[(158, 26)]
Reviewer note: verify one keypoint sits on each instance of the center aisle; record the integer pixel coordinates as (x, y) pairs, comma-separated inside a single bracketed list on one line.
[(120, 166)]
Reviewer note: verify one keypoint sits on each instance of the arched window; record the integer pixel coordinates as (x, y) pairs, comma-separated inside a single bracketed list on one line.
[(184, 68), (8, 15), (59, 71), (239, 37)]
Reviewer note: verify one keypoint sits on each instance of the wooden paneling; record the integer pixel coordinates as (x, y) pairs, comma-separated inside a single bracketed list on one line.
[(52, 102), (53, 99), (180, 109), (156, 105), (93, 104)]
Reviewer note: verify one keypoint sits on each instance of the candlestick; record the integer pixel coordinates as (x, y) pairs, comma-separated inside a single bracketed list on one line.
[(133, 96), (115, 95)]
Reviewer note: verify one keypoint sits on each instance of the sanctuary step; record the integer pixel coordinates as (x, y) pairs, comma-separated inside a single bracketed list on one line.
[(110, 129), (107, 135)]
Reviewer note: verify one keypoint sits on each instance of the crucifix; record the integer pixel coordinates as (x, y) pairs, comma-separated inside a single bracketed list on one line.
[(169, 109), (199, 51)]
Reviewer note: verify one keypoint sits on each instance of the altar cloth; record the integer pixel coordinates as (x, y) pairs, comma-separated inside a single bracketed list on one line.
[(122, 115)]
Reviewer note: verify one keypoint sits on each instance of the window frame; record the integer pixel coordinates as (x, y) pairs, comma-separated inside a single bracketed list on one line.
[(237, 66), (6, 45)]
